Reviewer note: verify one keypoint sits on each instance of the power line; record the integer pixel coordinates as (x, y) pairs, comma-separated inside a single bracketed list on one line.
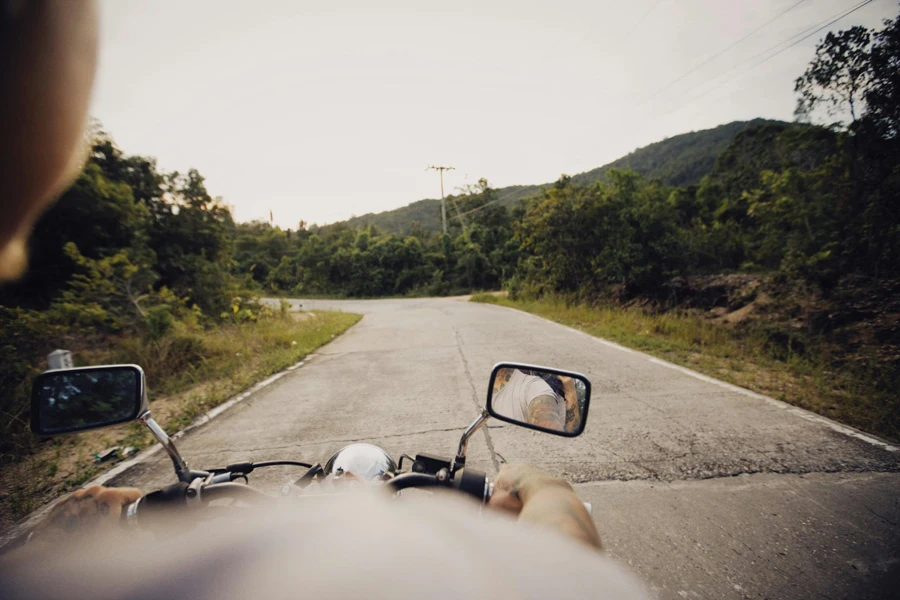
[(443, 201), (812, 33), (644, 16), (723, 51), (794, 40), (461, 219), (589, 30), (476, 209)]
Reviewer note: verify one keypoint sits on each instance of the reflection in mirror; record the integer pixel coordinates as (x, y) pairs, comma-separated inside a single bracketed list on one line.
[(77, 399), (548, 399)]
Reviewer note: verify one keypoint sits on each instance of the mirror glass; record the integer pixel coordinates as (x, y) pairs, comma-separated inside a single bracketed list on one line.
[(77, 399), (551, 400)]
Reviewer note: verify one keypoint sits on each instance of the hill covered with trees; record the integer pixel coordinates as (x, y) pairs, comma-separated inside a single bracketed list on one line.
[(680, 160)]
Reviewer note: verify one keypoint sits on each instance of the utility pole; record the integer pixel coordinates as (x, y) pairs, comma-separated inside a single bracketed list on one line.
[(443, 201)]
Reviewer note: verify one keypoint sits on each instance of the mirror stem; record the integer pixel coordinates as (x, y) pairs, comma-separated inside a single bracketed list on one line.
[(460, 460), (181, 468)]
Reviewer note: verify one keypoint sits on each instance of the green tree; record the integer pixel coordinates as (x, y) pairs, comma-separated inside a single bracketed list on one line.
[(838, 75), (882, 96)]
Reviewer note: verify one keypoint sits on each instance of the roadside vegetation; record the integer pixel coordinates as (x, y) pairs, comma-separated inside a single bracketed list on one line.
[(132, 265), (742, 353), (188, 373)]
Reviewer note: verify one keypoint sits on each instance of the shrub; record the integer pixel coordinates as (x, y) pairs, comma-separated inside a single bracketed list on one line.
[(164, 358), (27, 337), (159, 321)]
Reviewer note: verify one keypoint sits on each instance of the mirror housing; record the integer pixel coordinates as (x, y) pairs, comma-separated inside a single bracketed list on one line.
[(565, 397), (70, 400)]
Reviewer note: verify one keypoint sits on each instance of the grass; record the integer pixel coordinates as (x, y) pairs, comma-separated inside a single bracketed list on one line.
[(744, 355), (220, 363)]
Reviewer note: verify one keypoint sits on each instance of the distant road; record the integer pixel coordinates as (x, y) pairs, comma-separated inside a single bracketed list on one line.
[(704, 490)]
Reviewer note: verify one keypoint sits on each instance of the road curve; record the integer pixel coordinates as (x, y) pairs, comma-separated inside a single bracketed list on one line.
[(703, 489)]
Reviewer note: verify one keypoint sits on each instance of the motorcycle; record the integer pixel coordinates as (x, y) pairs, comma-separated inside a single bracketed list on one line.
[(72, 400)]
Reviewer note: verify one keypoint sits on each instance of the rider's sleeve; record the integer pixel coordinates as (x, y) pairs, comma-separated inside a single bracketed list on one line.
[(350, 546)]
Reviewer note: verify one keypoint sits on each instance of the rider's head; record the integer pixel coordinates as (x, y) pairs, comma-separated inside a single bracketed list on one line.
[(49, 50)]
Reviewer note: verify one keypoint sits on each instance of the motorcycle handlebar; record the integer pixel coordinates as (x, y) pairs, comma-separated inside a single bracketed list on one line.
[(469, 481), (409, 480)]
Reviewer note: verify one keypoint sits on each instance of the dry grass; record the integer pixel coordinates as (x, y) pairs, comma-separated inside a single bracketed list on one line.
[(225, 361)]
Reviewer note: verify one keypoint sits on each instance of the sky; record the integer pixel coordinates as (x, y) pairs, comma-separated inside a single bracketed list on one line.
[(319, 111)]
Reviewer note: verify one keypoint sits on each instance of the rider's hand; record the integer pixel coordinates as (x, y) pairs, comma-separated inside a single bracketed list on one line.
[(516, 482), (92, 510), (544, 500)]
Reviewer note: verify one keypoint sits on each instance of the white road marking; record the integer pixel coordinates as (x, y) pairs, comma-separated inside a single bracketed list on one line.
[(803, 414)]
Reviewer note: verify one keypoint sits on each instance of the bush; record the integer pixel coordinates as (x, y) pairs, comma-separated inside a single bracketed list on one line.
[(284, 308), (164, 358), (27, 337), (159, 321)]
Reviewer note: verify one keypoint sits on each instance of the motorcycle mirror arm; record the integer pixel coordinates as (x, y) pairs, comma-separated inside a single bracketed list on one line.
[(460, 460), (181, 467)]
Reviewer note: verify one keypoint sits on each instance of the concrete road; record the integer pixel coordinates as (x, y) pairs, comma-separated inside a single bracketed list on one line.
[(703, 489)]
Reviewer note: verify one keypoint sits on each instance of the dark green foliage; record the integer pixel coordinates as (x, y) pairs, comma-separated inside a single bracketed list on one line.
[(425, 213), (159, 321), (124, 252), (680, 160), (479, 252), (838, 76), (882, 94), (27, 337)]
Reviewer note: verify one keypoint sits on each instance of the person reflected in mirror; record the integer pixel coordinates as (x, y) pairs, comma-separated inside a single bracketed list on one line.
[(573, 407), (528, 398), (564, 387)]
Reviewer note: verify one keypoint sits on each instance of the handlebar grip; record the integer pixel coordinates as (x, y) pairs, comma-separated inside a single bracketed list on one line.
[(157, 502), (472, 482), (409, 480)]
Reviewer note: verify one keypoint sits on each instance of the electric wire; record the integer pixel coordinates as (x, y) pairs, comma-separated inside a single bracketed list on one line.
[(732, 45), (791, 41)]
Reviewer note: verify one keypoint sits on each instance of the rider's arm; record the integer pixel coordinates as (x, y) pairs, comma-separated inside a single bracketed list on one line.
[(88, 511), (557, 506), (573, 410), (544, 500), (543, 411)]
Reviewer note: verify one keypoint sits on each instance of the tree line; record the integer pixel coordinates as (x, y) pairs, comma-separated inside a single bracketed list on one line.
[(812, 203)]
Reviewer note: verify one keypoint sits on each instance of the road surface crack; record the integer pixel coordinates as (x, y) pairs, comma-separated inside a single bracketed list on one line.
[(368, 439), (462, 357)]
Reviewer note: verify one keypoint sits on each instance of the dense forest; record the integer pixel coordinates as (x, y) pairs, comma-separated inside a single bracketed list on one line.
[(133, 251)]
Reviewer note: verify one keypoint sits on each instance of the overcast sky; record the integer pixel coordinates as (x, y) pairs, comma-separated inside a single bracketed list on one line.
[(323, 110)]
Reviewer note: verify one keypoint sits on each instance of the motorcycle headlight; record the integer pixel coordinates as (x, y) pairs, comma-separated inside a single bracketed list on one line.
[(366, 461)]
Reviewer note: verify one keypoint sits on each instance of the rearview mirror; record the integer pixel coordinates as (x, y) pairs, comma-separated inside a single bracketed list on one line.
[(541, 398), (68, 400)]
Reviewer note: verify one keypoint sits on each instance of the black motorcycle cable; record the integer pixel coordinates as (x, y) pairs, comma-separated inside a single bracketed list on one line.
[(407, 480), (277, 463), (248, 467)]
